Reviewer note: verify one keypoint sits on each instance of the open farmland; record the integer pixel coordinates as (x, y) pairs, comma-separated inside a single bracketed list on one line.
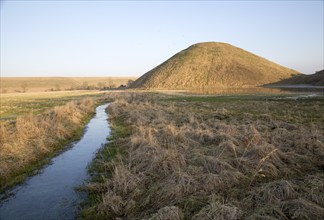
[(210, 157), (42, 84)]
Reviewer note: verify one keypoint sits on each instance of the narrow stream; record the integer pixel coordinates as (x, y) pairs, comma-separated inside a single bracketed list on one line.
[(51, 194)]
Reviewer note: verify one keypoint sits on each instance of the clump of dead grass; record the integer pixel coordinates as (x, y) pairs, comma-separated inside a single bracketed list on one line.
[(168, 213), (180, 162), (31, 137), (218, 209), (302, 209)]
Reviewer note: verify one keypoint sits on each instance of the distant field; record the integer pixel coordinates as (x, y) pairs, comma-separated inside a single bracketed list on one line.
[(41, 84), (16, 104)]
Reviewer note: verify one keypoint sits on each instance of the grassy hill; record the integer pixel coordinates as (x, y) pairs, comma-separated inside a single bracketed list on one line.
[(316, 79), (41, 84), (212, 65)]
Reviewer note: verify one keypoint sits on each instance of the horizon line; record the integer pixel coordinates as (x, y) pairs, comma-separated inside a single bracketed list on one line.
[(67, 76)]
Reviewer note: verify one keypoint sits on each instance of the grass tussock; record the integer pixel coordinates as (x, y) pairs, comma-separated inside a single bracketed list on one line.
[(31, 138), (202, 160)]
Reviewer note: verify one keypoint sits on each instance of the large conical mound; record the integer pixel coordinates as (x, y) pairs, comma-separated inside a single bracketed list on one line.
[(212, 65)]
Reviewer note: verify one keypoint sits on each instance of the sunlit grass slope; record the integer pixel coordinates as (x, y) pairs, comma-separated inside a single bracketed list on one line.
[(212, 65)]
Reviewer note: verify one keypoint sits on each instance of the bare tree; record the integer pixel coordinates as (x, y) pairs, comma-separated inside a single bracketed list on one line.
[(85, 85), (57, 87), (100, 85), (111, 83), (129, 83), (24, 86)]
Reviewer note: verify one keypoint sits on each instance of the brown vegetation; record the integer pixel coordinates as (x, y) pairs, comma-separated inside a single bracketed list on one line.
[(17, 104), (179, 158), (212, 65), (316, 79), (41, 84), (30, 138)]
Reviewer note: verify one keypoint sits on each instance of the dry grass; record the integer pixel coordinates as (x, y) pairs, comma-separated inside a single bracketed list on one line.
[(210, 65), (207, 160), (31, 138), (17, 104), (41, 84), (316, 79)]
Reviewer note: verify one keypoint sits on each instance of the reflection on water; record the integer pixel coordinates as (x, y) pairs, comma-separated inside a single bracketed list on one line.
[(316, 90), (257, 90), (51, 194)]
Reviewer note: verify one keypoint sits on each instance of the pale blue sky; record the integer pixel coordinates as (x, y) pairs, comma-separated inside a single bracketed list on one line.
[(128, 38)]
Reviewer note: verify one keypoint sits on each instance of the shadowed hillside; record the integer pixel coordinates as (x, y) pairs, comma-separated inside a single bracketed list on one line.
[(212, 65), (316, 79)]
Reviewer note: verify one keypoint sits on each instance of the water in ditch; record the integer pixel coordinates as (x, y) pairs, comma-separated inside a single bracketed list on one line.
[(51, 194)]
